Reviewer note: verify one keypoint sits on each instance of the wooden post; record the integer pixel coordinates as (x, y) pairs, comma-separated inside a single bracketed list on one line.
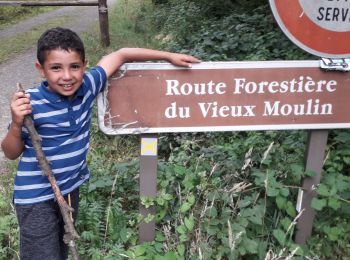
[(148, 183), (103, 18), (315, 153)]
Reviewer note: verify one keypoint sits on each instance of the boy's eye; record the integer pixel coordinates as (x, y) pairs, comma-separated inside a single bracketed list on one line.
[(75, 66), (55, 68)]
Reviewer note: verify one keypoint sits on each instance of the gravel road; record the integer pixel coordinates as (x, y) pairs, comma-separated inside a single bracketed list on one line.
[(22, 69)]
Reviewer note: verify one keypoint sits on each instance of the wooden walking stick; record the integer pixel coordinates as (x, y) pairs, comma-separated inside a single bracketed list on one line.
[(70, 233)]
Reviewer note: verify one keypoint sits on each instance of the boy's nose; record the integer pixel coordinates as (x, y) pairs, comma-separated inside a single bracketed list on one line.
[(67, 74)]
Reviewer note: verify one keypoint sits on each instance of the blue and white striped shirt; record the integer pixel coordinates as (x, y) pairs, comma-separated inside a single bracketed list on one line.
[(64, 127)]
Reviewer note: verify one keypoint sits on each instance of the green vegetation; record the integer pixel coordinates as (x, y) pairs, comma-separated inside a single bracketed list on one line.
[(224, 30), (129, 26), (225, 195), (9, 242), (9, 15), (10, 47), (13, 14)]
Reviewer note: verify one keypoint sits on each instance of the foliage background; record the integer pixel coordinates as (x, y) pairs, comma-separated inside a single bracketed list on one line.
[(220, 195)]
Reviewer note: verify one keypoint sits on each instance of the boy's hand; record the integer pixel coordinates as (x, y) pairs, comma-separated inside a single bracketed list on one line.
[(182, 60), (20, 107)]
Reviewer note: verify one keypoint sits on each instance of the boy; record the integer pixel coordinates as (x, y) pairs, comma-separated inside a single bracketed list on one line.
[(61, 109)]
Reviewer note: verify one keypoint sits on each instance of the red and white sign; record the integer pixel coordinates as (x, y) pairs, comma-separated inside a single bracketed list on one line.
[(320, 27)]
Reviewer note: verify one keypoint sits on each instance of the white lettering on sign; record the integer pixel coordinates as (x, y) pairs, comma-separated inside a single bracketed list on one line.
[(333, 15), (242, 86), (177, 112), (174, 87), (312, 107), (214, 110), (302, 85)]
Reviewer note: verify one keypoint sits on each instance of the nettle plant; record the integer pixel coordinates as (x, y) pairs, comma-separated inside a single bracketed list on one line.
[(331, 236), (233, 194)]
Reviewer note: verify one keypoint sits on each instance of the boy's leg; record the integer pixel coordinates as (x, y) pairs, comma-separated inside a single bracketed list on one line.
[(39, 231), (41, 228)]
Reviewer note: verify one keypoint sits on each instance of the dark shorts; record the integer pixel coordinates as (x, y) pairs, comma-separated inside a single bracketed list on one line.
[(41, 229)]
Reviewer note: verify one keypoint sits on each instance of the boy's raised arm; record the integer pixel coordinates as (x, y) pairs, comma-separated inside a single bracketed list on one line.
[(112, 62)]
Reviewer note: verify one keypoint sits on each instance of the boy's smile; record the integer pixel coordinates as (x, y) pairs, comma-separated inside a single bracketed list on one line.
[(63, 71)]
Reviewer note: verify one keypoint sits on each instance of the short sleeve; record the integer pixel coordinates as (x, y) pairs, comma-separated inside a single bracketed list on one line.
[(95, 79)]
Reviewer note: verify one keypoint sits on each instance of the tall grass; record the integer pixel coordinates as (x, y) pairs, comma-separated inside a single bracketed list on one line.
[(130, 25)]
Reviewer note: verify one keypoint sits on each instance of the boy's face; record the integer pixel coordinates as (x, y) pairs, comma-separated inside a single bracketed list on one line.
[(63, 71)]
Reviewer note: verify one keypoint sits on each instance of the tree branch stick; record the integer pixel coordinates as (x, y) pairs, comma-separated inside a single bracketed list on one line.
[(70, 233)]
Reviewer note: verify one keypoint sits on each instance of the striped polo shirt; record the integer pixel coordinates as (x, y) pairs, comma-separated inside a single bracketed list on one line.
[(64, 127)]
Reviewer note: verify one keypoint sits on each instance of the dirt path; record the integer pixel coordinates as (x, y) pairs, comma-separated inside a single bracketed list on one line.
[(21, 68)]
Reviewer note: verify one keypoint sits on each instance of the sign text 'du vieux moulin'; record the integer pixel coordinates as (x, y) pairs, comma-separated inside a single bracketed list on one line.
[(225, 96)]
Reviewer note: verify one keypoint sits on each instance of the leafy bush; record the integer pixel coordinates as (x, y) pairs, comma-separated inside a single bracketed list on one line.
[(243, 34), (8, 222), (234, 194), (331, 229)]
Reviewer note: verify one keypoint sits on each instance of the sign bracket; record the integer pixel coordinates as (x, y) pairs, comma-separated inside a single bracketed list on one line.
[(340, 64)]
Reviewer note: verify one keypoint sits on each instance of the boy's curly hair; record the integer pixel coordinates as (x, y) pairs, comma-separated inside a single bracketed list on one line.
[(59, 38)]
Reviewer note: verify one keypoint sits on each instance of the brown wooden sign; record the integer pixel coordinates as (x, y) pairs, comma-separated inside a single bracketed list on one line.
[(224, 96)]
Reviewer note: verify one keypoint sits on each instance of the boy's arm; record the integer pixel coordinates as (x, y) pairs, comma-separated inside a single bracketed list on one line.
[(112, 62), (13, 145)]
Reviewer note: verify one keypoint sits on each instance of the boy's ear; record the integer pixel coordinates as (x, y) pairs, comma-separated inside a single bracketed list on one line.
[(40, 69)]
